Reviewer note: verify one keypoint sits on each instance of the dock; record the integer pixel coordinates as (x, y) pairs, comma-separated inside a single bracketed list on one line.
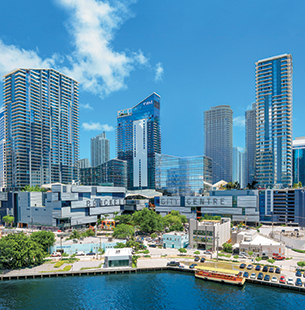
[(127, 270)]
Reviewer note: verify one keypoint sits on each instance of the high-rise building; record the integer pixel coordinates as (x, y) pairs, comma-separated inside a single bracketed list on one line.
[(183, 176), (100, 150), (2, 178), (274, 121), (218, 138), (84, 163), (138, 139), (250, 149), (238, 166), (298, 151), (111, 173), (41, 113)]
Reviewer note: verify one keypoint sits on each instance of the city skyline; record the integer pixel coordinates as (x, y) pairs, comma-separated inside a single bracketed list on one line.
[(211, 62)]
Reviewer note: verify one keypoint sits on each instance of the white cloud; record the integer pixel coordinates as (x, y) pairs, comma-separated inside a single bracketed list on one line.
[(159, 72), (12, 57), (94, 62), (239, 121), (86, 106), (97, 126)]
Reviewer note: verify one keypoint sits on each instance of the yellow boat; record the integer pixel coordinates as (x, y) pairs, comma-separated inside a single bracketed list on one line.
[(234, 277)]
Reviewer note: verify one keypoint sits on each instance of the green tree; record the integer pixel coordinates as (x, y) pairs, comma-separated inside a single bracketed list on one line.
[(19, 250), (210, 217), (174, 221), (8, 219), (227, 247), (124, 219), (120, 245), (154, 235), (123, 231), (148, 220), (182, 250), (45, 238), (75, 235), (35, 188)]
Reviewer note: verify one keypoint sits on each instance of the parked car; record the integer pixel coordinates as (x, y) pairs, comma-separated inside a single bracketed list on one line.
[(193, 266), (202, 260), (260, 276), (207, 252), (90, 253), (152, 245), (197, 258), (56, 254), (298, 273), (173, 263), (290, 281), (258, 268), (80, 253), (271, 269), (265, 269), (264, 256), (253, 275), (243, 253), (242, 266), (274, 279), (250, 267), (278, 257), (242, 256), (246, 274), (267, 277), (278, 270), (298, 282), (282, 280)]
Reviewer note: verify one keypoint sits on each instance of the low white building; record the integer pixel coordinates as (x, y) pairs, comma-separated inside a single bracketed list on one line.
[(118, 258), (250, 240), (203, 235)]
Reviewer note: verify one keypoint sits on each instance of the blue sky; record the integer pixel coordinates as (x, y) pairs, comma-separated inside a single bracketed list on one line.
[(195, 54)]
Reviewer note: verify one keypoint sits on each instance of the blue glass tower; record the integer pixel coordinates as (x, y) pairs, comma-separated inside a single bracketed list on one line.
[(274, 121), (299, 160), (138, 139)]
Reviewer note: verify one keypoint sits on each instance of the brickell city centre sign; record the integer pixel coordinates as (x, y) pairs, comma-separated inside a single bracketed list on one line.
[(93, 203), (212, 201), (170, 201)]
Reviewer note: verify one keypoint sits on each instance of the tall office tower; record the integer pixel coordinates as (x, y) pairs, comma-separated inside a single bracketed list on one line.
[(41, 113), (238, 166), (84, 163), (2, 178), (298, 151), (218, 137), (138, 139), (274, 121), (100, 150), (250, 123)]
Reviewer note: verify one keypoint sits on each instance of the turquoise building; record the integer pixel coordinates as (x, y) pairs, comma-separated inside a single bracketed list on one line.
[(175, 240)]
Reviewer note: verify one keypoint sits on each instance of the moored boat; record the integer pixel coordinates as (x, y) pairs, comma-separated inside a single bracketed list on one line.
[(220, 275)]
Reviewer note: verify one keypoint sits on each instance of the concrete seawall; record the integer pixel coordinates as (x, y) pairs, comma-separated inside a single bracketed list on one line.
[(129, 271)]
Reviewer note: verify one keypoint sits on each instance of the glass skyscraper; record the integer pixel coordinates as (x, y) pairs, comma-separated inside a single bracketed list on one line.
[(2, 178), (250, 149), (111, 173), (138, 139), (299, 160), (218, 141), (100, 150), (274, 121), (41, 113), (183, 176)]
